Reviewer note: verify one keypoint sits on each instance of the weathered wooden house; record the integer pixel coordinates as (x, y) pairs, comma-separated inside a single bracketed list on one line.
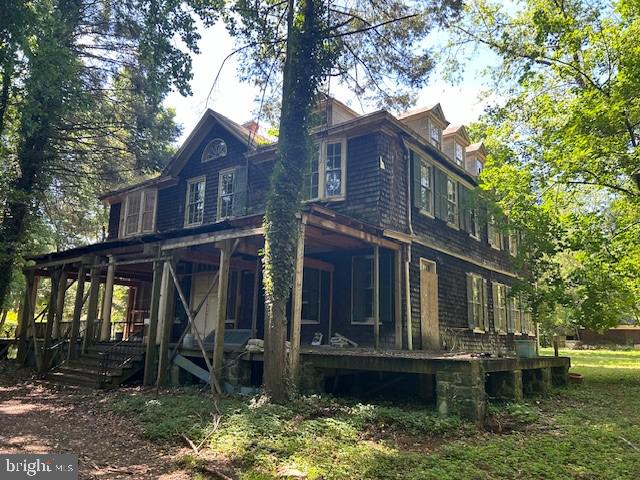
[(395, 261)]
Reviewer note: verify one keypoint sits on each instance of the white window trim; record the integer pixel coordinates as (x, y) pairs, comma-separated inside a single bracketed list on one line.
[(369, 321), (462, 149), (190, 182), (492, 224), (205, 160), (513, 244), (455, 226), (433, 124), (322, 158), (477, 236), (221, 173), (499, 328), (480, 279), (123, 213), (431, 168)]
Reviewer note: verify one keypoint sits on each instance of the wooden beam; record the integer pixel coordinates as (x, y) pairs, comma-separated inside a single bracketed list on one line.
[(319, 264), (62, 290), (397, 299), (105, 329), (92, 308), (296, 306), (223, 290), (352, 232), (330, 305), (151, 356), (256, 296), (205, 238), (51, 313), (376, 295), (407, 299), (166, 321), (77, 313)]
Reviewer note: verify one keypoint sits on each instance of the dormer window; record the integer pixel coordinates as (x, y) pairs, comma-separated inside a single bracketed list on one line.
[(216, 148), (435, 135), (459, 155), (479, 167), (139, 213)]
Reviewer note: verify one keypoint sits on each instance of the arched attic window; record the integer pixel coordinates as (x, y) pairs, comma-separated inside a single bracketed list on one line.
[(216, 148)]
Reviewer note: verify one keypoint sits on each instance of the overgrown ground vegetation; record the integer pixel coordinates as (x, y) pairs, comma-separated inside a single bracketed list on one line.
[(588, 431)]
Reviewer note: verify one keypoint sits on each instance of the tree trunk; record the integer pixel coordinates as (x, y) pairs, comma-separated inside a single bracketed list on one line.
[(300, 80)]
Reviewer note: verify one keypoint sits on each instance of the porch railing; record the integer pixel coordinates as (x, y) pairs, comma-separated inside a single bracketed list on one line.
[(117, 356)]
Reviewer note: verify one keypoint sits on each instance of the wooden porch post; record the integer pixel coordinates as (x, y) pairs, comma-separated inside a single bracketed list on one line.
[(376, 295), (77, 312), (152, 347), (397, 300), (223, 288), (296, 306), (165, 315), (256, 296), (105, 329), (92, 308), (51, 313), (62, 290), (26, 315)]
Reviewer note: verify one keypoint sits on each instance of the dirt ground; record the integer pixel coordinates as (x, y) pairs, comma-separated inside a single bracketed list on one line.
[(38, 417)]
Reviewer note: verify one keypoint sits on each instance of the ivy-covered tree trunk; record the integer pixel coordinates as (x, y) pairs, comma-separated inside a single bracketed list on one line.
[(300, 81)]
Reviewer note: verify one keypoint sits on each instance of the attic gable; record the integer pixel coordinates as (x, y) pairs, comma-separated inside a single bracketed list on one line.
[(209, 120), (435, 111)]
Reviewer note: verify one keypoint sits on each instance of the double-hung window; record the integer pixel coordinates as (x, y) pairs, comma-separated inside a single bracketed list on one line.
[(139, 212), (226, 193), (459, 155), (426, 188), (452, 202), (499, 307), (194, 211), (494, 234), (474, 223), (435, 135), (513, 244), (476, 302), (514, 314), (325, 173)]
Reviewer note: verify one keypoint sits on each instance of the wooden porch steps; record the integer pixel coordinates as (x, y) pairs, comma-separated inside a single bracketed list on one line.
[(85, 371)]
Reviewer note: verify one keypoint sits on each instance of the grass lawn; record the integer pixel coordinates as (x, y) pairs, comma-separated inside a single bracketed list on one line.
[(588, 431)]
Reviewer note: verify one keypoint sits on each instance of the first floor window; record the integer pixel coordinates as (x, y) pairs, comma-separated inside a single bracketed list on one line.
[(452, 202), (194, 213), (311, 288), (362, 289), (499, 307), (139, 212), (515, 320), (476, 302)]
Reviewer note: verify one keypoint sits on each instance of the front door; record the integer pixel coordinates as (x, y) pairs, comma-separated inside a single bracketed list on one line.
[(429, 327), (205, 320)]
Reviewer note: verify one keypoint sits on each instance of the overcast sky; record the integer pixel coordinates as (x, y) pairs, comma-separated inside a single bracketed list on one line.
[(234, 99)]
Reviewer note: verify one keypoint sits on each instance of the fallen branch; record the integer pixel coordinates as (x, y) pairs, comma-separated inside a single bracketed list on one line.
[(629, 443)]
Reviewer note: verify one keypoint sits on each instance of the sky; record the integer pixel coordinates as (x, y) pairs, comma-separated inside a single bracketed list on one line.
[(461, 103)]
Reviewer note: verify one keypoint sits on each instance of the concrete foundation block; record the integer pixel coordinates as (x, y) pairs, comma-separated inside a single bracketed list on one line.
[(560, 375), (537, 381)]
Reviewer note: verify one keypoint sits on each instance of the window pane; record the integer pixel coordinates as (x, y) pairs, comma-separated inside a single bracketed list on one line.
[(133, 213), (312, 175), (333, 170), (311, 295), (195, 206)]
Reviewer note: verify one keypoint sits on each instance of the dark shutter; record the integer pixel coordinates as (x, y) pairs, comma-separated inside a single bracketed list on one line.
[(440, 185), (386, 288), (511, 321), (416, 164), (485, 304), (240, 191), (496, 312)]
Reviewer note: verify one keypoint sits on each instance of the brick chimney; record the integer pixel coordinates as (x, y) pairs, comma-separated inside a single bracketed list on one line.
[(252, 126)]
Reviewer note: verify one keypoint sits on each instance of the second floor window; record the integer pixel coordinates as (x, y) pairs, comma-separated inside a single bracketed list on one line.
[(474, 223), (140, 212), (226, 193), (325, 175), (452, 202), (194, 211), (495, 237)]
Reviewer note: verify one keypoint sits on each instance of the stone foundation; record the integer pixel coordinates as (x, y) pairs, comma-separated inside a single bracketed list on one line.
[(537, 381), (460, 390), (505, 386)]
